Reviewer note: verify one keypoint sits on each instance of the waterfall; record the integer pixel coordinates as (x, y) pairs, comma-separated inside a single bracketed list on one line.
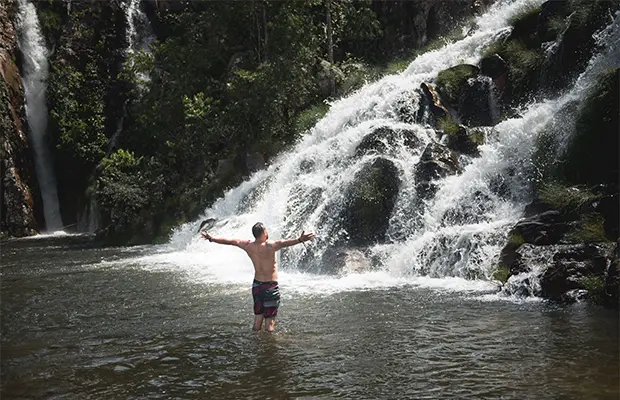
[(139, 33), (34, 78), (139, 39), (456, 234)]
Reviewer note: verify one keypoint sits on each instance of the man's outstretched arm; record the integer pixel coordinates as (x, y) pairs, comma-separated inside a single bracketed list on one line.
[(232, 242), (280, 244)]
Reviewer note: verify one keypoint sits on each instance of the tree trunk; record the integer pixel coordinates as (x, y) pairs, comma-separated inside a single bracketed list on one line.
[(265, 28), (330, 48)]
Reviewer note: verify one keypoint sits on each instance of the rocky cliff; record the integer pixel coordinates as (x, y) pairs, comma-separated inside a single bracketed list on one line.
[(18, 179)]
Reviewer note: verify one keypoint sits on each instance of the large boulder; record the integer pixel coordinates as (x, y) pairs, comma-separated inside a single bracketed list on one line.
[(576, 267), (452, 81), (369, 202), (437, 161), (383, 140), (475, 102), (542, 229)]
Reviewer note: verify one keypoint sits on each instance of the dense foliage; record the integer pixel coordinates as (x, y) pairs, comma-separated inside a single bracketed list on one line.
[(155, 136)]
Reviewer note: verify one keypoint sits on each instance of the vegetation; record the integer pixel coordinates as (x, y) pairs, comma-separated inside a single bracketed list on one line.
[(570, 199), (590, 228), (595, 285), (225, 80), (448, 125)]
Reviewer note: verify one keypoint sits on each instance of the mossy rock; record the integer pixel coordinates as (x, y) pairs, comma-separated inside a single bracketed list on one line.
[(451, 82), (370, 202), (385, 140), (501, 273), (465, 140)]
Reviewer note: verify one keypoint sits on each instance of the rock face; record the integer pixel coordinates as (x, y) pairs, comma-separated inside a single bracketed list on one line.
[(571, 272), (436, 162), (370, 202), (17, 167), (572, 266)]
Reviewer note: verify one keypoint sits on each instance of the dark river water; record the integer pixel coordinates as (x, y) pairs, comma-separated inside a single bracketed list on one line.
[(74, 327)]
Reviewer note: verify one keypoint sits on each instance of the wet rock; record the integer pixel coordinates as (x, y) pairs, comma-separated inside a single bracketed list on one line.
[(495, 67), (432, 103), (571, 266), (466, 140), (437, 161), (475, 102), (344, 260), (370, 201), (384, 140), (542, 229), (452, 81)]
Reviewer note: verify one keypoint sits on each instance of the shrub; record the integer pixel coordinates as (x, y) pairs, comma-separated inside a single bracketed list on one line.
[(565, 198), (310, 116)]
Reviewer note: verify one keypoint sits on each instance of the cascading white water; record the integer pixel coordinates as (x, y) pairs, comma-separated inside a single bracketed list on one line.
[(34, 78), (139, 33), (457, 234)]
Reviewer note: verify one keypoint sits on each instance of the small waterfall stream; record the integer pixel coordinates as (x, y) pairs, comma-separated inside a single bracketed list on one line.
[(34, 78)]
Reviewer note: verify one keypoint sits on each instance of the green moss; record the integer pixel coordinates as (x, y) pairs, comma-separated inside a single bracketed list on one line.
[(590, 229), (515, 239), (528, 13), (565, 198), (448, 125), (477, 136), (450, 82), (501, 273), (310, 116), (595, 285)]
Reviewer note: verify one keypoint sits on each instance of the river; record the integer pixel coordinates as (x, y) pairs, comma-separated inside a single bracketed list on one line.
[(82, 322)]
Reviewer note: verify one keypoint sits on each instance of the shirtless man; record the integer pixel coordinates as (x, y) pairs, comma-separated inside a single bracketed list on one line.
[(265, 288)]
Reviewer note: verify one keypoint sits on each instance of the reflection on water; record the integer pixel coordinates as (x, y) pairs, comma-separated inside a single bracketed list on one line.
[(73, 327)]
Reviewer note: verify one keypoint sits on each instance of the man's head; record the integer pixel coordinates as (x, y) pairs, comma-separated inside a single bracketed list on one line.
[(260, 232)]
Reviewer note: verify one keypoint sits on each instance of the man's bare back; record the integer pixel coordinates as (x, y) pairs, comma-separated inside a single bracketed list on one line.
[(263, 256), (262, 252)]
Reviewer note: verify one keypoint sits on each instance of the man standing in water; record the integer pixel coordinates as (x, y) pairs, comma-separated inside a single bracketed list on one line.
[(265, 288)]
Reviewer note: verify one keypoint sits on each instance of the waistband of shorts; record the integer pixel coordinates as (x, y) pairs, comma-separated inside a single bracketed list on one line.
[(257, 282)]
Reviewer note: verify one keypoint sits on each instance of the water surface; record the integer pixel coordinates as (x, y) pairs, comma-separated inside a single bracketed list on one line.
[(76, 327)]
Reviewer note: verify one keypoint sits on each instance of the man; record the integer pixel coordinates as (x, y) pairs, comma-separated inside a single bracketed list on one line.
[(265, 290)]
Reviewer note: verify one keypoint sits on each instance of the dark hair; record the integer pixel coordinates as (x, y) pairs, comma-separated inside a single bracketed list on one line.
[(258, 229)]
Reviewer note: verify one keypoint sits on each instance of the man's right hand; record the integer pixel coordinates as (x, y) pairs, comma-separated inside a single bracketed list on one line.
[(206, 236), (306, 236)]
